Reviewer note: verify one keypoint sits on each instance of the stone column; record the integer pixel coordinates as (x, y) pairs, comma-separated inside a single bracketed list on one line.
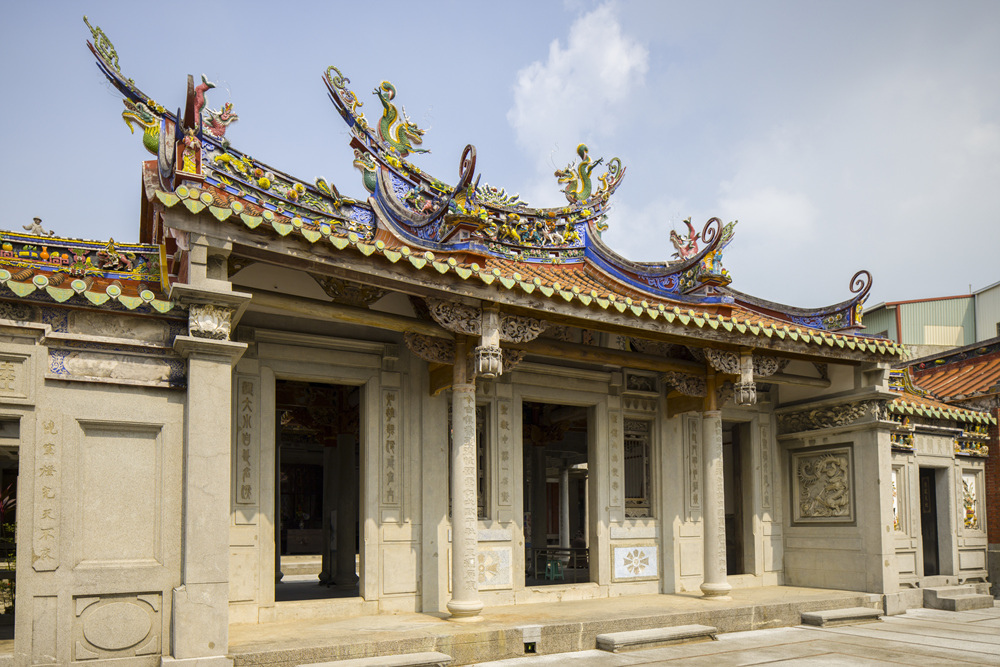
[(465, 603), (331, 500), (347, 512), (278, 574), (539, 504), (564, 506), (714, 522), (200, 605)]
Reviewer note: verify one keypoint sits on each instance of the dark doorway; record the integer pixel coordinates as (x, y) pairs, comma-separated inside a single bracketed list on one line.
[(929, 521), (317, 431), (555, 494), (737, 490)]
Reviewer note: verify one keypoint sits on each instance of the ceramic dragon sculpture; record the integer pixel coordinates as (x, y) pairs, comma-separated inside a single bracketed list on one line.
[(577, 177), (401, 134), (147, 119)]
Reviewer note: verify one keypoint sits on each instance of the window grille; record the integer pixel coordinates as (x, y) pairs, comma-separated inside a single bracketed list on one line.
[(637, 449)]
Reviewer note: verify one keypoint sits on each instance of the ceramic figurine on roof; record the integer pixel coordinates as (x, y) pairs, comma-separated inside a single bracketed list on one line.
[(579, 187), (398, 131)]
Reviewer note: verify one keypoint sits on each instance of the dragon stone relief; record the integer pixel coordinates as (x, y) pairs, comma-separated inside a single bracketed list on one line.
[(823, 485)]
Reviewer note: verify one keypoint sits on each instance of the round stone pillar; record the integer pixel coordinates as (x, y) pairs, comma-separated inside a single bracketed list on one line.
[(714, 522), (464, 512)]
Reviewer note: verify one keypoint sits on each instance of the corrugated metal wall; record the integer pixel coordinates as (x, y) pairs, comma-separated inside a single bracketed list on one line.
[(988, 313), (937, 322), (880, 319)]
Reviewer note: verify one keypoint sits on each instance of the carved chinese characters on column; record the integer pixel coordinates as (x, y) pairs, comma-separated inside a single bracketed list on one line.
[(822, 486), (717, 479), (765, 466), (467, 531), (504, 453), (390, 447), (246, 450), (692, 448), (970, 502), (45, 540), (616, 444)]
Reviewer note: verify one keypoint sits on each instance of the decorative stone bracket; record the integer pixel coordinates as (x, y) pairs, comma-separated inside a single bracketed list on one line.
[(743, 363), (492, 327), (440, 351), (212, 314), (693, 385)]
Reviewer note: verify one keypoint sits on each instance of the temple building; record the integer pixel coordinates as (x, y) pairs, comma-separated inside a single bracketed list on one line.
[(458, 401)]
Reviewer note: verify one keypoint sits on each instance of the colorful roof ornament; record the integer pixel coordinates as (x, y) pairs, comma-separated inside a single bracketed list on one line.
[(466, 231), (88, 273)]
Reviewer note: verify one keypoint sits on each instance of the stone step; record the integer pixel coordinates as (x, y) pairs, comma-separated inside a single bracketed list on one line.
[(958, 598), (424, 659), (831, 617), (961, 602), (633, 640)]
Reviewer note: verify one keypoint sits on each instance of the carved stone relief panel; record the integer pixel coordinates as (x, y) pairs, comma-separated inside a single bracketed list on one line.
[(970, 501), (822, 485), (494, 567), (637, 562), (108, 365), (247, 449), (828, 416), (47, 507), (113, 325), (116, 626)]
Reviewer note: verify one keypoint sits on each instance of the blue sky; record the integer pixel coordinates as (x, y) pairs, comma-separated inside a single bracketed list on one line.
[(842, 135)]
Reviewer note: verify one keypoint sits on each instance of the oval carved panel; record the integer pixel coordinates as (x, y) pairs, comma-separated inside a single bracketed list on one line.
[(116, 626)]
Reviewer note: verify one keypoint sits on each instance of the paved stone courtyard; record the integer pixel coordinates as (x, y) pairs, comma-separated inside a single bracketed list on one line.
[(919, 637)]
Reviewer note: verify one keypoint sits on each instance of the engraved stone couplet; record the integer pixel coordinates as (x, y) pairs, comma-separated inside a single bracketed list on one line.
[(48, 494), (465, 601), (245, 484), (714, 521)]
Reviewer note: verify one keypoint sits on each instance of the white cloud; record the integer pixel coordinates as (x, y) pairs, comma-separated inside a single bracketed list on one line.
[(577, 92)]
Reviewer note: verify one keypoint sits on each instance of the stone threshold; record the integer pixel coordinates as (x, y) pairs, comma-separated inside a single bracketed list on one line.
[(519, 630)]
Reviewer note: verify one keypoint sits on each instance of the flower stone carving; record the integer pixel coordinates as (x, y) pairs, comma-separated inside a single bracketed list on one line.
[(209, 321)]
